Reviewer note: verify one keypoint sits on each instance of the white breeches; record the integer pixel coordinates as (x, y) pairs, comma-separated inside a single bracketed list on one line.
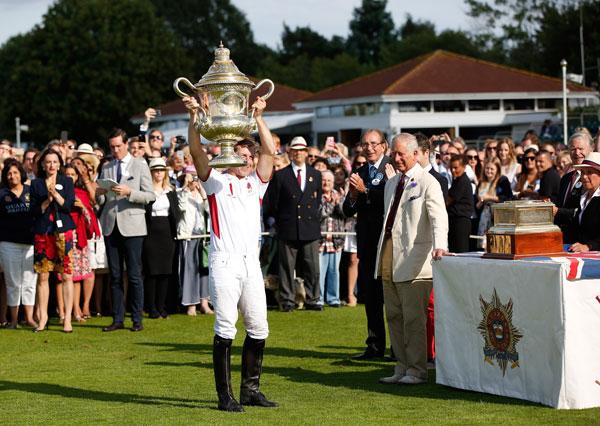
[(236, 283)]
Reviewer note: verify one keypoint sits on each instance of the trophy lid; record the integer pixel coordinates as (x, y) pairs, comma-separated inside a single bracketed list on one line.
[(223, 70)]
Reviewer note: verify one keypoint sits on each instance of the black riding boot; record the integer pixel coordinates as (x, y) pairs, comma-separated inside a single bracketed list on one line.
[(222, 368), (252, 357)]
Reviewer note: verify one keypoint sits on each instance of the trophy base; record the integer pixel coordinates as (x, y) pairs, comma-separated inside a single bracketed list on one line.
[(226, 161), (228, 158), (518, 246)]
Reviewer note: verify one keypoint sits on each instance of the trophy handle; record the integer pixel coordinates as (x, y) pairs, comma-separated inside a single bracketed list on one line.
[(178, 90), (271, 90), (269, 93)]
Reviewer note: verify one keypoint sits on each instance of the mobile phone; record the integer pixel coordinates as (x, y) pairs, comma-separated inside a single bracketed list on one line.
[(330, 141), (179, 154), (64, 137), (158, 112)]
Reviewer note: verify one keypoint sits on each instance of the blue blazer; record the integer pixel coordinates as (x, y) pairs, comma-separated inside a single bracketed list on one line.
[(39, 193)]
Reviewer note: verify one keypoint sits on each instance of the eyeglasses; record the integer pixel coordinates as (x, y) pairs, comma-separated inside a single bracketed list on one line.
[(472, 157), (312, 156), (371, 144), (159, 137), (529, 158), (70, 146)]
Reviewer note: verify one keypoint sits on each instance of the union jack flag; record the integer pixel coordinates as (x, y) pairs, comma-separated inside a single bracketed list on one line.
[(581, 266)]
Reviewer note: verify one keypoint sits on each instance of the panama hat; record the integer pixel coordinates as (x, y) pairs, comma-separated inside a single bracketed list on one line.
[(157, 164), (592, 161), (298, 143), (85, 148)]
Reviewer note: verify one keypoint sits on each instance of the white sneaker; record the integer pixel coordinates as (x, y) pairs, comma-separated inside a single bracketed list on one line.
[(411, 380), (392, 380)]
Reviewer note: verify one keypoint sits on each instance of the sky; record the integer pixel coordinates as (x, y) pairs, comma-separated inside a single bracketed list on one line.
[(266, 17)]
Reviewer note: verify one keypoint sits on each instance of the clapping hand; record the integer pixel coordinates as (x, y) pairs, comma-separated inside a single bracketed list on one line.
[(121, 190), (390, 172), (357, 184), (78, 203)]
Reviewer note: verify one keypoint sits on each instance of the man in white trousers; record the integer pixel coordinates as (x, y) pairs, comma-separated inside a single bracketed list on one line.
[(235, 277)]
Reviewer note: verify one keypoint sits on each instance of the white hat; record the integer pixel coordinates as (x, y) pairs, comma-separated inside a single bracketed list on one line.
[(592, 161), (157, 164), (85, 148), (298, 143)]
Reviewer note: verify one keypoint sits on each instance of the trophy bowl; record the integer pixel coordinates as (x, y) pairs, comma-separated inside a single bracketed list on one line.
[(224, 94)]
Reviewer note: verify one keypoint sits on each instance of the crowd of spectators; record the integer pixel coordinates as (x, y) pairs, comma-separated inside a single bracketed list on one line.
[(54, 256)]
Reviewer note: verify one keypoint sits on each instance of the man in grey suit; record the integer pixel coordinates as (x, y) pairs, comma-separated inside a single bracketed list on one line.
[(124, 226)]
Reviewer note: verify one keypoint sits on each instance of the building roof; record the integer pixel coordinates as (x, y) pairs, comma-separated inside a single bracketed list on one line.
[(281, 100), (444, 72)]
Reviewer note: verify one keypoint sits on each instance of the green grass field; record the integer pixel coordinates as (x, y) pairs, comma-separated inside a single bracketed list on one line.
[(163, 375)]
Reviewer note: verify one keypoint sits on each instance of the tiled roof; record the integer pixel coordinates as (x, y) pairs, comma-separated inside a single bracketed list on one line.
[(444, 72), (281, 100)]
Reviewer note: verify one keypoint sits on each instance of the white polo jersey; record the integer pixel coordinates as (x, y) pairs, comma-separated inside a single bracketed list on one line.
[(235, 211)]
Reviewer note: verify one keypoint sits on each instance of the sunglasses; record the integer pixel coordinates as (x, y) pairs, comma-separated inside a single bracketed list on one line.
[(312, 156), (472, 157), (529, 158), (491, 148), (360, 163), (156, 137)]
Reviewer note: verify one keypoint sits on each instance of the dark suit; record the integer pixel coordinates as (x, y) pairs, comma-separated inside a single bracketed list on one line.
[(587, 231), (297, 222), (369, 223), (460, 210), (567, 206), (442, 181), (550, 184)]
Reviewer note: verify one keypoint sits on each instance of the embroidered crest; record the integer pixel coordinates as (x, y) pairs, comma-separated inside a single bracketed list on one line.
[(249, 186), (7, 199), (499, 334), (375, 182)]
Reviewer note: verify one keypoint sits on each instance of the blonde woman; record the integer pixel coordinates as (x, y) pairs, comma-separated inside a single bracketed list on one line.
[(159, 244), (508, 161), (493, 187)]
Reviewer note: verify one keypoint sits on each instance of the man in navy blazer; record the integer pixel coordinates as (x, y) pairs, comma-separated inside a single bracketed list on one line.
[(294, 199), (365, 199), (570, 189)]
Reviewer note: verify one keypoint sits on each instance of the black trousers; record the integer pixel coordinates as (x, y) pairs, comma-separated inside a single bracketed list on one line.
[(458, 234), (155, 293), (120, 250), (372, 291), (304, 255)]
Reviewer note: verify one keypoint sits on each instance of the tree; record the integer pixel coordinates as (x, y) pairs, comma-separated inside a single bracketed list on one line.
[(201, 24), (88, 67), (303, 40), (371, 28)]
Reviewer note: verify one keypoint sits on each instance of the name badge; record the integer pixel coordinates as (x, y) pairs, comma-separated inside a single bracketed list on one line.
[(375, 182), (59, 186), (59, 223), (578, 185)]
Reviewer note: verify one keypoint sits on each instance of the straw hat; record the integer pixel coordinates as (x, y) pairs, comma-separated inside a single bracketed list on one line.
[(592, 161), (157, 164), (298, 143)]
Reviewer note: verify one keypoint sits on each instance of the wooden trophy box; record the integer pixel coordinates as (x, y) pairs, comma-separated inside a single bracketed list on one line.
[(523, 229)]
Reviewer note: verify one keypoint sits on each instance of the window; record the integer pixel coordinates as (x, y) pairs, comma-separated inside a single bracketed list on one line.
[(519, 105), (350, 110), (322, 112), (449, 106), (417, 106), (484, 105), (549, 103), (336, 111)]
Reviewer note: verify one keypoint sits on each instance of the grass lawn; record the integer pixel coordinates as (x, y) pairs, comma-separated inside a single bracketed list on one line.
[(163, 375)]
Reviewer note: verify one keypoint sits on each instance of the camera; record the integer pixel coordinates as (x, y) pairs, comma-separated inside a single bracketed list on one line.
[(180, 142)]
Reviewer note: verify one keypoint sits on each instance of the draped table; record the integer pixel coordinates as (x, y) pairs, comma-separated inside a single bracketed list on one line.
[(527, 329)]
